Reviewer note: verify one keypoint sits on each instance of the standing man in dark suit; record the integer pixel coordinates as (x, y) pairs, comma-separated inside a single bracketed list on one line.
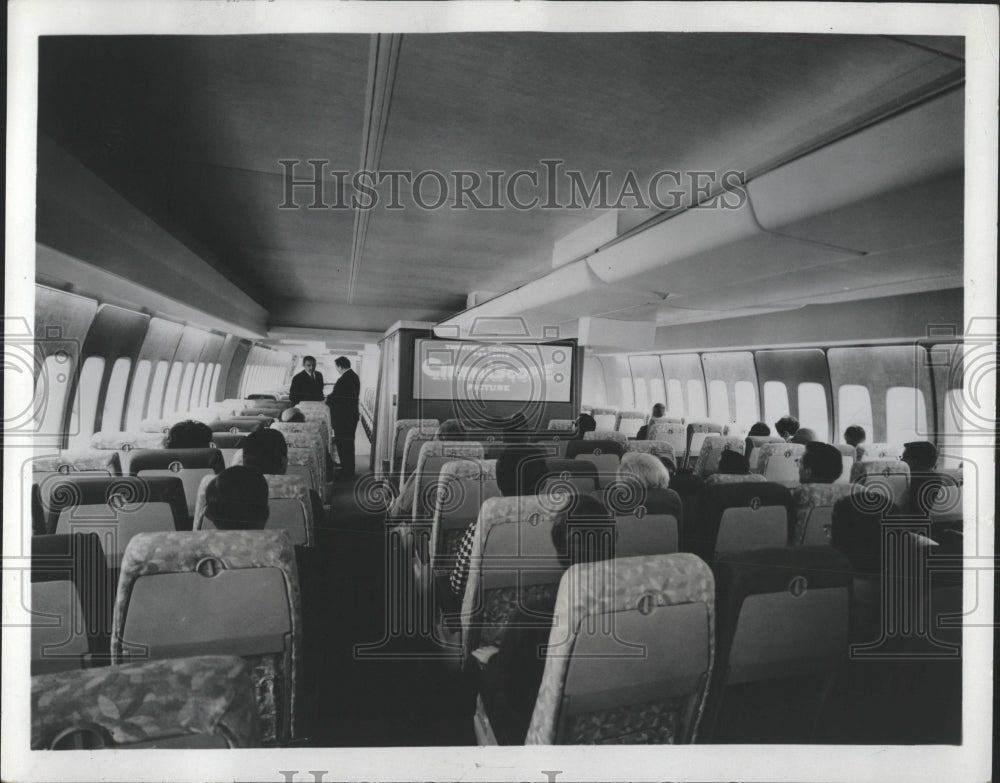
[(308, 384), (343, 403)]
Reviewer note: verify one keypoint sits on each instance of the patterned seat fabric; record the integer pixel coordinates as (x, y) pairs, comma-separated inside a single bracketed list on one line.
[(414, 441), (561, 424), (877, 452), (513, 562), (665, 602), (318, 427), (434, 455), (891, 476), (402, 429), (779, 461), (813, 511), (160, 425), (127, 441), (279, 488), (79, 461), (647, 521), (316, 411), (733, 478), (274, 672), (697, 431), (612, 435), (670, 432), (605, 417), (304, 461), (149, 702), (658, 448), (781, 616), (711, 452), (744, 515), (462, 488), (240, 423)]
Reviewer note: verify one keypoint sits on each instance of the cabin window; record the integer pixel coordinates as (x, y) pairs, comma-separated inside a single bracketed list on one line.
[(213, 392), (85, 409), (656, 392), (675, 398), (812, 410), (641, 394), (594, 390), (745, 394), (696, 399), (138, 394), (184, 398), (906, 416), (51, 398), (775, 401), (114, 400), (627, 394), (173, 383), (854, 407), (155, 409), (718, 401), (198, 387)]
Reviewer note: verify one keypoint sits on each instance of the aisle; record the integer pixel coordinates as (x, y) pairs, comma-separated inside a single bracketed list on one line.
[(365, 702)]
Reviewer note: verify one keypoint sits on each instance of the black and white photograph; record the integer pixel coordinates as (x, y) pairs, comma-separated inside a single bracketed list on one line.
[(463, 391)]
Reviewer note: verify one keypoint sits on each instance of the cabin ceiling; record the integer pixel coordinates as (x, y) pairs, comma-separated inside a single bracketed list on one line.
[(190, 130)]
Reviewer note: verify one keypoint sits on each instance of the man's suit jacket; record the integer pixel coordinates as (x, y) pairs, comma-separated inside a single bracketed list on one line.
[(306, 388), (343, 400)]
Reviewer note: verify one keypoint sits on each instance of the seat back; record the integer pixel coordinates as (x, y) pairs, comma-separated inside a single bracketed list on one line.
[(71, 595), (228, 443), (733, 478), (403, 427), (318, 428), (189, 465), (670, 432), (462, 488), (780, 461), (192, 703), (739, 517), (658, 448), (434, 455), (781, 615), (240, 423), (513, 561), (697, 431), (754, 443), (878, 452), (415, 440), (647, 521), (606, 435), (605, 418), (890, 476), (630, 422), (629, 653), (94, 462), (712, 448), (814, 512), (561, 424), (216, 593), (569, 475), (605, 455), (289, 508)]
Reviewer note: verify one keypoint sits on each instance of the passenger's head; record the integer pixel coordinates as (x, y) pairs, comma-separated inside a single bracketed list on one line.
[(309, 363), (802, 436), (293, 416), (647, 470), (189, 435), (520, 470), (449, 427), (585, 534), (659, 410), (236, 499), (821, 463), (342, 363), (585, 423), (920, 456), (267, 451), (733, 462), (758, 430), (854, 435), (786, 426)]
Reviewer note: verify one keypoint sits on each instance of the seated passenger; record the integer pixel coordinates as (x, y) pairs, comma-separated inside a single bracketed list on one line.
[(585, 423), (647, 470), (920, 456), (732, 462), (520, 470), (855, 435), (267, 451), (821, 463), (189, 435), (403, 504), (760, 429), (659, 411), (514, 674), (803, 435), (786, 426), (293, 416), (236, 499)]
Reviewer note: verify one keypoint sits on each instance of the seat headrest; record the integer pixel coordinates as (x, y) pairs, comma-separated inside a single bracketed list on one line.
[(169, 459), (59, 492), (594, 446)]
